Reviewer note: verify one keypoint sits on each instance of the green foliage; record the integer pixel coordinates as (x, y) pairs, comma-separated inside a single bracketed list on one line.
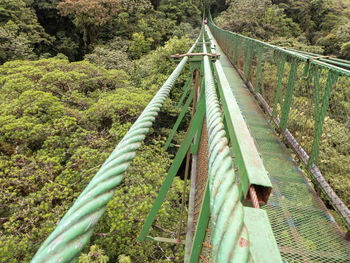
[(153, 69), (298, 24), (113, 55), (20, 32), (345, 50), (136, 21), (124, 259), (90, 15), (12, 46), (140, 45), (60, 121), (258, 19), (181, 11), (43, 28), (95, 255), (47, 143)]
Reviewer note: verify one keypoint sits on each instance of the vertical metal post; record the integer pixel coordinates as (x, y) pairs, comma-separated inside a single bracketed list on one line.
[(184, 94), (331, 81), (259, 73), (278, 94), (202, 224), (179, 119), (248, 59), (289, 94)]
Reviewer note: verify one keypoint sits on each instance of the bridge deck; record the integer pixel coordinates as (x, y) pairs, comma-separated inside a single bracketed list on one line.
[(304, 229)]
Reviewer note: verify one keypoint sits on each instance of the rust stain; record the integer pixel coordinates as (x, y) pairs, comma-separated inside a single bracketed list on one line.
[(243, 242)]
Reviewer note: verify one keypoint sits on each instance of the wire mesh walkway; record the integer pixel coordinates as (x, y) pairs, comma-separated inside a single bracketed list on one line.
[(219, 210), (304, 230)]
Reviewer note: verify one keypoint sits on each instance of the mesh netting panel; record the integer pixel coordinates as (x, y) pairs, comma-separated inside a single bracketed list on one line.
[(303, 228)]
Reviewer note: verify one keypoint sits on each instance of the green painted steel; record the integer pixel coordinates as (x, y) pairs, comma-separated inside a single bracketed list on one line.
[(196, 122), (300, 222), (327, 59), (251, 169), (248, 59), (331, 80), (179, 119), (298, 115), (195, 146), (186, 90), (263, 245), (76, 227), (289, 94), (316, 74), (228, 230), (278, 95), (259, 74)]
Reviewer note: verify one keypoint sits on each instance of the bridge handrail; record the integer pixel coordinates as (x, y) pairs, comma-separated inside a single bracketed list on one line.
[(298, 55), (250, 56), (75, 229), (229, 230)]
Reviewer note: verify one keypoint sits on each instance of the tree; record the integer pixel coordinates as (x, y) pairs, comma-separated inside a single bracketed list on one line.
[(20, 32), (13, 46), (260, 19), (59, 122), (90, 14), (140, 45)]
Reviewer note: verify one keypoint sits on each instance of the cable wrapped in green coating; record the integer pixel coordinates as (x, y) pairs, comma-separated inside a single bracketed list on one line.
[(229, 235), (76, 227)]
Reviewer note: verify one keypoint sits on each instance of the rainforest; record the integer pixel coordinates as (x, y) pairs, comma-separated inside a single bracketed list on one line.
[(74, 77)]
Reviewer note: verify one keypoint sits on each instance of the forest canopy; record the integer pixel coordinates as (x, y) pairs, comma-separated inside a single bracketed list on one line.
[(75, 75)]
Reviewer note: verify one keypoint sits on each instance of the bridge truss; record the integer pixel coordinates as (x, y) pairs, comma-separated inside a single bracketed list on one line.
[(249, 201)]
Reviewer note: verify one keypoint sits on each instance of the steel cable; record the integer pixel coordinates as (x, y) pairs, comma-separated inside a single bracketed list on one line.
[(229, 235), (76, 227)]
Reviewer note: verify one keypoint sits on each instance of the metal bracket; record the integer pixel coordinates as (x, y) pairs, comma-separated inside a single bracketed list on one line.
[(165, 240), (200, 54)]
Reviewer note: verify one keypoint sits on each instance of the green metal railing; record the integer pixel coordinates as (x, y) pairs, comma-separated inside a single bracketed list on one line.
[(297, 90), (76, 227), (226, 209), (308, 99)]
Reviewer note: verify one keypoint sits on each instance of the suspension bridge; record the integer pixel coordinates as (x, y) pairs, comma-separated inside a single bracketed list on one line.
[(259, 113)]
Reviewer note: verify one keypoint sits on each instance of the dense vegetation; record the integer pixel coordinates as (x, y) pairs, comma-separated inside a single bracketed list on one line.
[(60, 120), (320, 26), (74, 76)]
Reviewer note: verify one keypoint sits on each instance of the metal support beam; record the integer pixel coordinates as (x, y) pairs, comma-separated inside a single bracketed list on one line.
[(195, 54), (197, 121), (289, 94), (179, 119), (186, 89), (250, 166)]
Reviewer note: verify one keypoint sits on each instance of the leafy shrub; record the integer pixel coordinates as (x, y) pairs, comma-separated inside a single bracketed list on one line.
[(60, 121)]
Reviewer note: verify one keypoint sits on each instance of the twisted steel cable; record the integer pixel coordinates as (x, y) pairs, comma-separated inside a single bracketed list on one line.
[(229, 235), (76, 227)]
